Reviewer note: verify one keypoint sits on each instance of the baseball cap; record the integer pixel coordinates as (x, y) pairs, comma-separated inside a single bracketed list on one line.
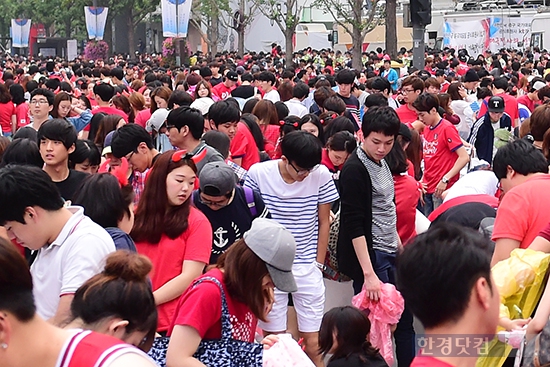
[(496, 104), (217, 179), (275, 245), (471, 76), (107, 143), (202, 104), (157, 120), (539, 85), (231, 75)]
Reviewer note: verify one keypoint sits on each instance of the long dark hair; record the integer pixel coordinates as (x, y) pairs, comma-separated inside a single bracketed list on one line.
[(397, 160), (351, 328), (251, 121), (154, 216)]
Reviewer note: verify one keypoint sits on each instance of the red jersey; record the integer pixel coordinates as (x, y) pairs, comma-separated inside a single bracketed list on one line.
[(222, 91), (527, 102), (510, 107), (406, 115), (271, 133), (91, 349), (142, 117), (7, 110), (422, 361), (200, 308), (244, 146), (110, 111), (22, 115), (167, 256), (439, 150), (407, 195)]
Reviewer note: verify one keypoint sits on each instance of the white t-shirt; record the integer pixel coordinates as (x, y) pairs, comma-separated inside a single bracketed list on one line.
[(296, 108), (77, 254), (295, 205), (474, 183), (272, 96)]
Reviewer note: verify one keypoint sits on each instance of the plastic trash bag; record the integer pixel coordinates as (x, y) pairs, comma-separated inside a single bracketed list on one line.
[(286, 353), (382, 314)]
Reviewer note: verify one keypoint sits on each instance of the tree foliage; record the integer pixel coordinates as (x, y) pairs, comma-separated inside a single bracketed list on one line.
[(357, 18)]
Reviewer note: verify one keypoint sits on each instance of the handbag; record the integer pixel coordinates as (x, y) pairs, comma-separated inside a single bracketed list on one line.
[(228, 352), (331, 270), (537, 352), (224, 352)]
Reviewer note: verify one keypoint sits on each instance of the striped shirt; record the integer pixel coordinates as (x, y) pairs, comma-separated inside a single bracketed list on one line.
[(384, 217), (295, 205)]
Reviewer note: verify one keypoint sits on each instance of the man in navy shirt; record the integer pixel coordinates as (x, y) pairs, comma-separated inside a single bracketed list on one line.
[(229, 208)]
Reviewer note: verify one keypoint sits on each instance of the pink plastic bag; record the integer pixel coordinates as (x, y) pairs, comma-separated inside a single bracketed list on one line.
[(286, 353), (383, 313)]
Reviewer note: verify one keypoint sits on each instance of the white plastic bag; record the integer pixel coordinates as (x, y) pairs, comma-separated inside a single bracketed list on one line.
[(286, 353)]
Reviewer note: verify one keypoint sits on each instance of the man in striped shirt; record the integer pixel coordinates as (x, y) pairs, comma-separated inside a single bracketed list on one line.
[(298, 191)]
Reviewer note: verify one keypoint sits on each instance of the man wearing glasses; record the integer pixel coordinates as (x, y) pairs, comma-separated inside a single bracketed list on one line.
[(40, 106), (230, 209), (298, 191), (411, 88)]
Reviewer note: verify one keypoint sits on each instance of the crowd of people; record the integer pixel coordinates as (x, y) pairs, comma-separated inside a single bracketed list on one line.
[(196, 213)]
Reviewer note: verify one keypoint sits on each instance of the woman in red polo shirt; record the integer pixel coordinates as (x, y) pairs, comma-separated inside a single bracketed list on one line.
[(173, 234), (8, 120)]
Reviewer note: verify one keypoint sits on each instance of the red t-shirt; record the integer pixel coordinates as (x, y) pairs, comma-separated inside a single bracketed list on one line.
[(439, 150), (167, 256), (527, 102), (110, 111), (7, 110), (22, 114), (459, 200), (244, 146), (510, 107), (406, 115), (421, 361), (271, 133), (200, 308), (221, 91), (142, 117), (523, 211), (406, 200)]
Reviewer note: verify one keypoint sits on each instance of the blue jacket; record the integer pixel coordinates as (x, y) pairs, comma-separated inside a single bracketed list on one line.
[(482, 135)]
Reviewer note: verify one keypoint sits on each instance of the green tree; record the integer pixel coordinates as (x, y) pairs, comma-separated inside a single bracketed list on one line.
[(210, 13), (286, 14), (357, 18)]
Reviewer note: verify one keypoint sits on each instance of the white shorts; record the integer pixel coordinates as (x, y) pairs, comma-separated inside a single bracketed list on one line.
[(309, 301)]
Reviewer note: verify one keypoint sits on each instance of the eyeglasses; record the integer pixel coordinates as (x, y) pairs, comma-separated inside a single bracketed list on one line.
[(407, 90), (39, 101), (170, 127), (220, 204), (303, 172), (129, 156)]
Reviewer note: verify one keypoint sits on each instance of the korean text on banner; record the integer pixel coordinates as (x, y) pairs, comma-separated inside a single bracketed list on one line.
[(175, 17), (509, 32), (470, 35), (20, 32), (95, 21)]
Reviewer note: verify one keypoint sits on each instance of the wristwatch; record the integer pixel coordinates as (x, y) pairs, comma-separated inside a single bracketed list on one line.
[(320, 266), (445, 180)]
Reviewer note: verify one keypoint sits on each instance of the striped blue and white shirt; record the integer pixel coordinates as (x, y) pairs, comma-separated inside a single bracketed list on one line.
[(295, 205)]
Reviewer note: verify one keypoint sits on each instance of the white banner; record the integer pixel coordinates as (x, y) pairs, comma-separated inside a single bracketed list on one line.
[(509, 32), (72, 49), (95, 21), (20, 32), (175, 17), (471, 35)]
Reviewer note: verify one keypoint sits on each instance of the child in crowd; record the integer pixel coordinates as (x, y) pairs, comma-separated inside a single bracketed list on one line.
[(344, 334)]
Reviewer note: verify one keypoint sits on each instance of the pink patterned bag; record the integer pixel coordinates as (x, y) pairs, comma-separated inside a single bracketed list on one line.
[(286, 353), (383, 314)]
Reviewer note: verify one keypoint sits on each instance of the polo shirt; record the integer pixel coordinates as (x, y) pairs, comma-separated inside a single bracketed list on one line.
[(77, 254)]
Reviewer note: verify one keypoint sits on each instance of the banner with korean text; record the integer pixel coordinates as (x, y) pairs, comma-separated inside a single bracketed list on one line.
[(175, 17), (96, 17), (471, 35), (20, 32), (509, 32)]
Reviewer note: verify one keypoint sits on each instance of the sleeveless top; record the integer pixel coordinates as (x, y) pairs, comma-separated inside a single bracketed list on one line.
[(91, 349)]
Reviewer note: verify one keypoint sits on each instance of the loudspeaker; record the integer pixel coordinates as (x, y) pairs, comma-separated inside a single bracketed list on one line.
[(421, 12)]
